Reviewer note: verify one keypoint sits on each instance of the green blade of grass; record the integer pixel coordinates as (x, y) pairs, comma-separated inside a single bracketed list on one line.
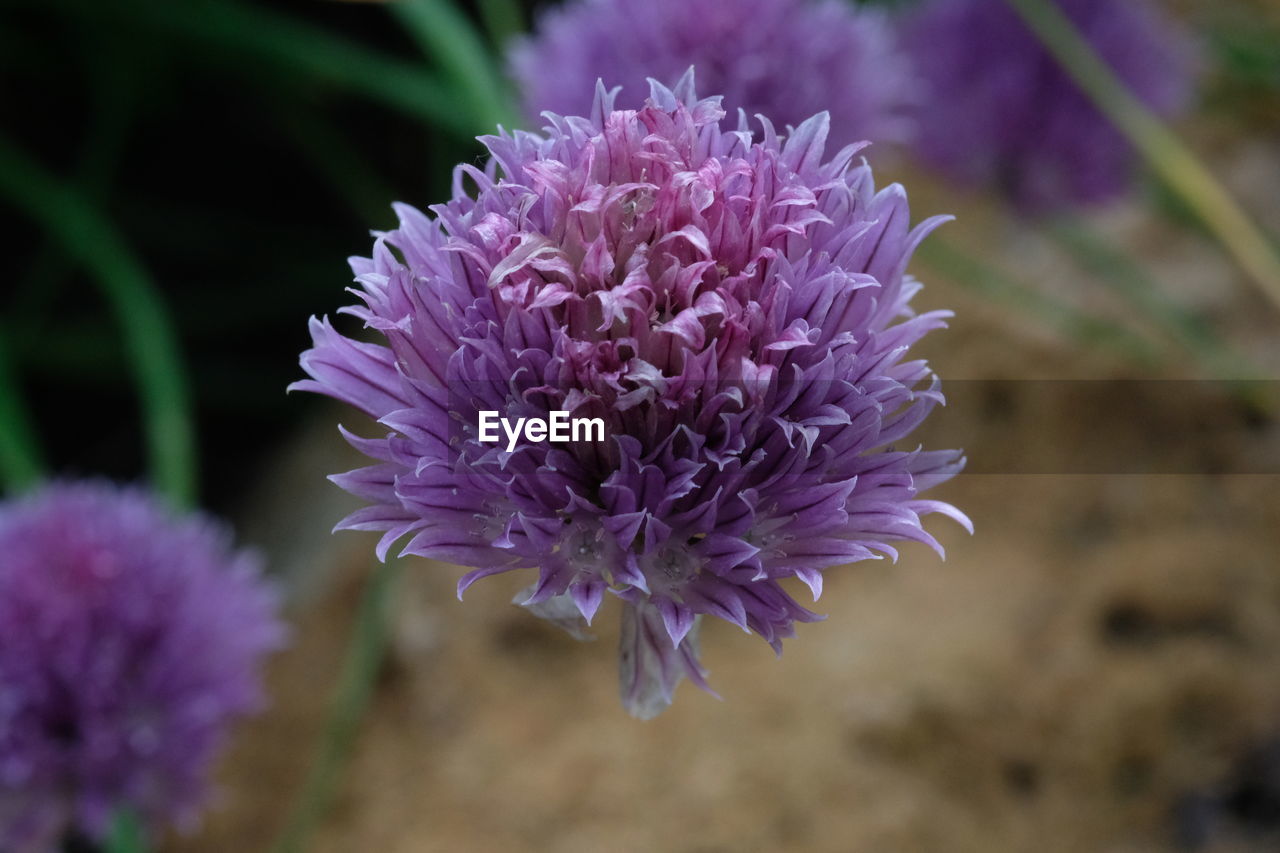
[(112, 74), (333, 157), (1172, 161), (503, 19), (360, 669), (147, 329), (444, 34), (239, 28), (1126, 278), (126, 834), (1065, 319), (20, 458)]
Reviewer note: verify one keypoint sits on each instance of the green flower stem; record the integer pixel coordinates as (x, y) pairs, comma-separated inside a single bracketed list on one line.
[(241, 28), (126, 834), (1168, 157), (334, 158), (20, 459), (443, 33), (1131, 282), (503, 20), (1063, 318), (113, 111), (149, 337), (360, 669)]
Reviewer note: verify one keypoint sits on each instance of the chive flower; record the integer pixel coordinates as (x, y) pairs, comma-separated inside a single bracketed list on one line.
[(999, 112), (129, 640), (787, 59), (732, 305)]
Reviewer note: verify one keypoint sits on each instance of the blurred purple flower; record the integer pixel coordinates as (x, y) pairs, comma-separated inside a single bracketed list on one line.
[(735, 311), (1000, 112), (787, 59), (129, 640)]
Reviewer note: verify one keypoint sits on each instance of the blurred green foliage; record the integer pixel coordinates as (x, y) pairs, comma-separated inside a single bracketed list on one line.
[(212, 145), (223, 141)]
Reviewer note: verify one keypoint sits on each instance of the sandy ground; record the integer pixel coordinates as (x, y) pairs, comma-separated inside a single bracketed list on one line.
[(1102, 649), (1090, 672)]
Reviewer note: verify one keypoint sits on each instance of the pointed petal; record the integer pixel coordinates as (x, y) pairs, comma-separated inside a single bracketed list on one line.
[(559, 610)]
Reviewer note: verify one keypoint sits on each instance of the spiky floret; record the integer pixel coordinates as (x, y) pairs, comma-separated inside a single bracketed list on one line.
[(735, 309)]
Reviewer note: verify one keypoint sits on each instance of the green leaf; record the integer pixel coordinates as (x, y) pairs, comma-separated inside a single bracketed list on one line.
[(1067, 320), (240, 29), (1172, 161), (360, 669), (445, 35), (150, 338), (20, 464), (126, 834)]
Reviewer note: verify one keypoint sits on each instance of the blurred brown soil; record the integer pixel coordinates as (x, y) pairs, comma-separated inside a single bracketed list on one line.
[(1102, 646)]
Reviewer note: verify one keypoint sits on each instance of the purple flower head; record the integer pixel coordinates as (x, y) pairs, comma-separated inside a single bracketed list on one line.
[(1000, 112), (733, 308), (129, 640), (787, 59)]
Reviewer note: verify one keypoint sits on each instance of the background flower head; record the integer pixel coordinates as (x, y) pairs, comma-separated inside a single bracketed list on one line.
[(129, 640), (734, 308), (787, 59), (999, 112)]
